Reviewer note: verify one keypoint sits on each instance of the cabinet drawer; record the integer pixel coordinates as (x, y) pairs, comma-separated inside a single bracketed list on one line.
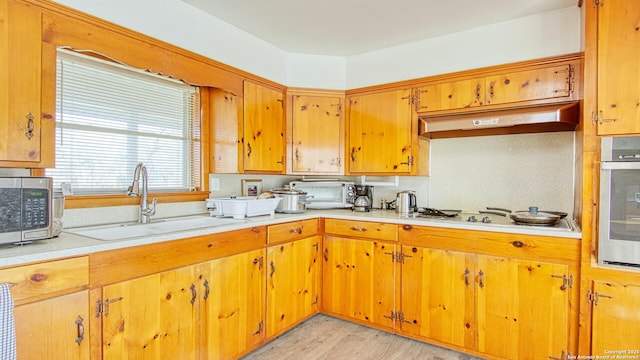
[(291, 231), (364, 229), (38, 280)]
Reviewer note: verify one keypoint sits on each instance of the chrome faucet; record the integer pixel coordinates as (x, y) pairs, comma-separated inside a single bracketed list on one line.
[(134, 190)]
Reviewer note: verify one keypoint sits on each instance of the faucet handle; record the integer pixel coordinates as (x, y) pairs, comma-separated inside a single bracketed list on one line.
[(152, 209)]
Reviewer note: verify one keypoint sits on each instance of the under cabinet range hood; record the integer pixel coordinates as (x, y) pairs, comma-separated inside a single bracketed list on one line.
[(544, 118)]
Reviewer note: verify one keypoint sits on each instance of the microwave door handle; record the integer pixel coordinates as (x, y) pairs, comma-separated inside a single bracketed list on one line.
[(611, 165)]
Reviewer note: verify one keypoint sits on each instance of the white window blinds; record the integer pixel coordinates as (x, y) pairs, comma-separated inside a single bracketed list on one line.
[(109, 117)]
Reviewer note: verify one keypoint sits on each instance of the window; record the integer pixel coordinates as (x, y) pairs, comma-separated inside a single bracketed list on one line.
[(109, 117)]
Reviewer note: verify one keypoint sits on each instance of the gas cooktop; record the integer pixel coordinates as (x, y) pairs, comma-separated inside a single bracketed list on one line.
[(483, 218)]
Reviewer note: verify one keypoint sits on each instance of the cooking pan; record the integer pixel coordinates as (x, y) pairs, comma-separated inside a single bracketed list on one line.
[(531, 217)]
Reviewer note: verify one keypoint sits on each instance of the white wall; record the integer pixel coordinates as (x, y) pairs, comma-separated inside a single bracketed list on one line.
[(548, 34), (552, 33)]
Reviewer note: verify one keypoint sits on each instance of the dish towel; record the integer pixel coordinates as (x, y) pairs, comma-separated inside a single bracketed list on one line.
[(7, 324)]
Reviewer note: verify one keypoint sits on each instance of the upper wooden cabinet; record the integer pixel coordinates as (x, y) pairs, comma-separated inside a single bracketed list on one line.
[(225, 110), (617, 43), (264, 129), (500, 88), (380, 133), (23, 143), (317, 135)]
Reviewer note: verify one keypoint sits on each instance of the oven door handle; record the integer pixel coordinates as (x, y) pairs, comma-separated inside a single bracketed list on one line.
[(611, 165)]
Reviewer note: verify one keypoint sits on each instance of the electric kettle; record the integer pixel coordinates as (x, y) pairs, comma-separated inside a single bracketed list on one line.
[(406, 202)]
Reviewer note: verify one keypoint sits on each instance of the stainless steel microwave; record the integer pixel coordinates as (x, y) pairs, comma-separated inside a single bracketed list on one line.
[(327, 194), (25, 209), (619, 218)]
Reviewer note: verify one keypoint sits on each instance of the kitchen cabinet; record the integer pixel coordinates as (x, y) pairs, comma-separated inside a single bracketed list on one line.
[(317, 135), (51, 308), (232, 305), (26, 138), (461, 94), (615, 319), (225, 110), (215, 307), (496, 89), (617, 43), (492, 293), (380, 133), (264, 129), (292, 283)]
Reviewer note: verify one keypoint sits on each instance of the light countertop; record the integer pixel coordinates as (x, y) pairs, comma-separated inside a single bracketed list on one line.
[(68, 245)]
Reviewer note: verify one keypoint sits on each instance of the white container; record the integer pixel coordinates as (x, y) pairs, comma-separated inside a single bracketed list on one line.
[(241, 207)]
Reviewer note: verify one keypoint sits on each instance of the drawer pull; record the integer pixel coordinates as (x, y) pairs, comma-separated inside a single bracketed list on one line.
[(326, 254), (194, 294), (80, 325), (481, 279), (296, 231), (517, 244), (466, 276), (360, 229), (207, 289), (407, 227)]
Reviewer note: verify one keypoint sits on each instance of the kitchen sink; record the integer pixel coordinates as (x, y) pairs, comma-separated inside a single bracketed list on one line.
[(123, 231)]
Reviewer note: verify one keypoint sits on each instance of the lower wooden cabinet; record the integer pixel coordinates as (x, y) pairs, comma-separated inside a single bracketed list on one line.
[(292, 283), (359, 280), (54, 326), (212, 310), (615, 319)]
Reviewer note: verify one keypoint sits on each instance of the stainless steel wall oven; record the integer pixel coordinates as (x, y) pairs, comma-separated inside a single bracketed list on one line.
[(619, 225)]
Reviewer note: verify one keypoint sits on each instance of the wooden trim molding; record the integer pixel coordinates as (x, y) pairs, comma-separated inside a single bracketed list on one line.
[(89, 201)]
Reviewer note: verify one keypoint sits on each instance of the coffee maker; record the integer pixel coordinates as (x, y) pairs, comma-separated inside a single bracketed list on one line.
[(364, 198)]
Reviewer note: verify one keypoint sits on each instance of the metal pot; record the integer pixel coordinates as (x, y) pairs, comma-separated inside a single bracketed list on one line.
[(535, 217), (293, 201)]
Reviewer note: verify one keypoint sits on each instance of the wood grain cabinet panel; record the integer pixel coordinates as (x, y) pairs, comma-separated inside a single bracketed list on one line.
[(22, 139), (554, 82), (292, 283), (359, 280), (317, 142), (615, 319), (462, 94), (380, 133), (264, 129), (361, 229), (618, 67), (290, 231), (54, 328)]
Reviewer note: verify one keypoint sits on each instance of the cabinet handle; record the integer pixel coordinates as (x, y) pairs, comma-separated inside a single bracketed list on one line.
[(296, 230), (273, 269), (360, 229), (107, 302), (491, 89), (297, 154), (353, 154), (281, 160), (258, 261), (249, 150), (466, 276), (259, 331), (478, 87), (207, 290), (80, 326), (326, 254), (481, 279), (517, 244), (194, 294), (30, 126)]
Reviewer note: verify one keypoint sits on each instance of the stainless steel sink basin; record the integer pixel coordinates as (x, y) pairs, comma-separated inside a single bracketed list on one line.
[(161, 226)]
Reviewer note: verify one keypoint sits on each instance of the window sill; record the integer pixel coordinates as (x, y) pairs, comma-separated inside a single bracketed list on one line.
[(91, 201)]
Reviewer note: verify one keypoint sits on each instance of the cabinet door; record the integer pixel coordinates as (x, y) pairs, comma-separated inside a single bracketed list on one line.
[(615, 319), (54, 326), (380, 133), (359, 280), (461, 94), (521, 303), (20, 82), (153, 317), (546, 83), (318, 133), (292, 283), (618, 47), (264, 128), (232, 305), (438, 295), (226, 113)]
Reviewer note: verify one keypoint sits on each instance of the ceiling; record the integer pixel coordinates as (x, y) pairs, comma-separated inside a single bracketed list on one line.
[(351, 27)]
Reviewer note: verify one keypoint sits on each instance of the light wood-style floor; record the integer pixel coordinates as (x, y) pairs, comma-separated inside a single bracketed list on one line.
[(328, 338)]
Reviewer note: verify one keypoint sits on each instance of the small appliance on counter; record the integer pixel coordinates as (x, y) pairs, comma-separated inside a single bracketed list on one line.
[(25, 209), (364, 198), (241, 207), (294, 201), (326, 194), (406, 203)]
